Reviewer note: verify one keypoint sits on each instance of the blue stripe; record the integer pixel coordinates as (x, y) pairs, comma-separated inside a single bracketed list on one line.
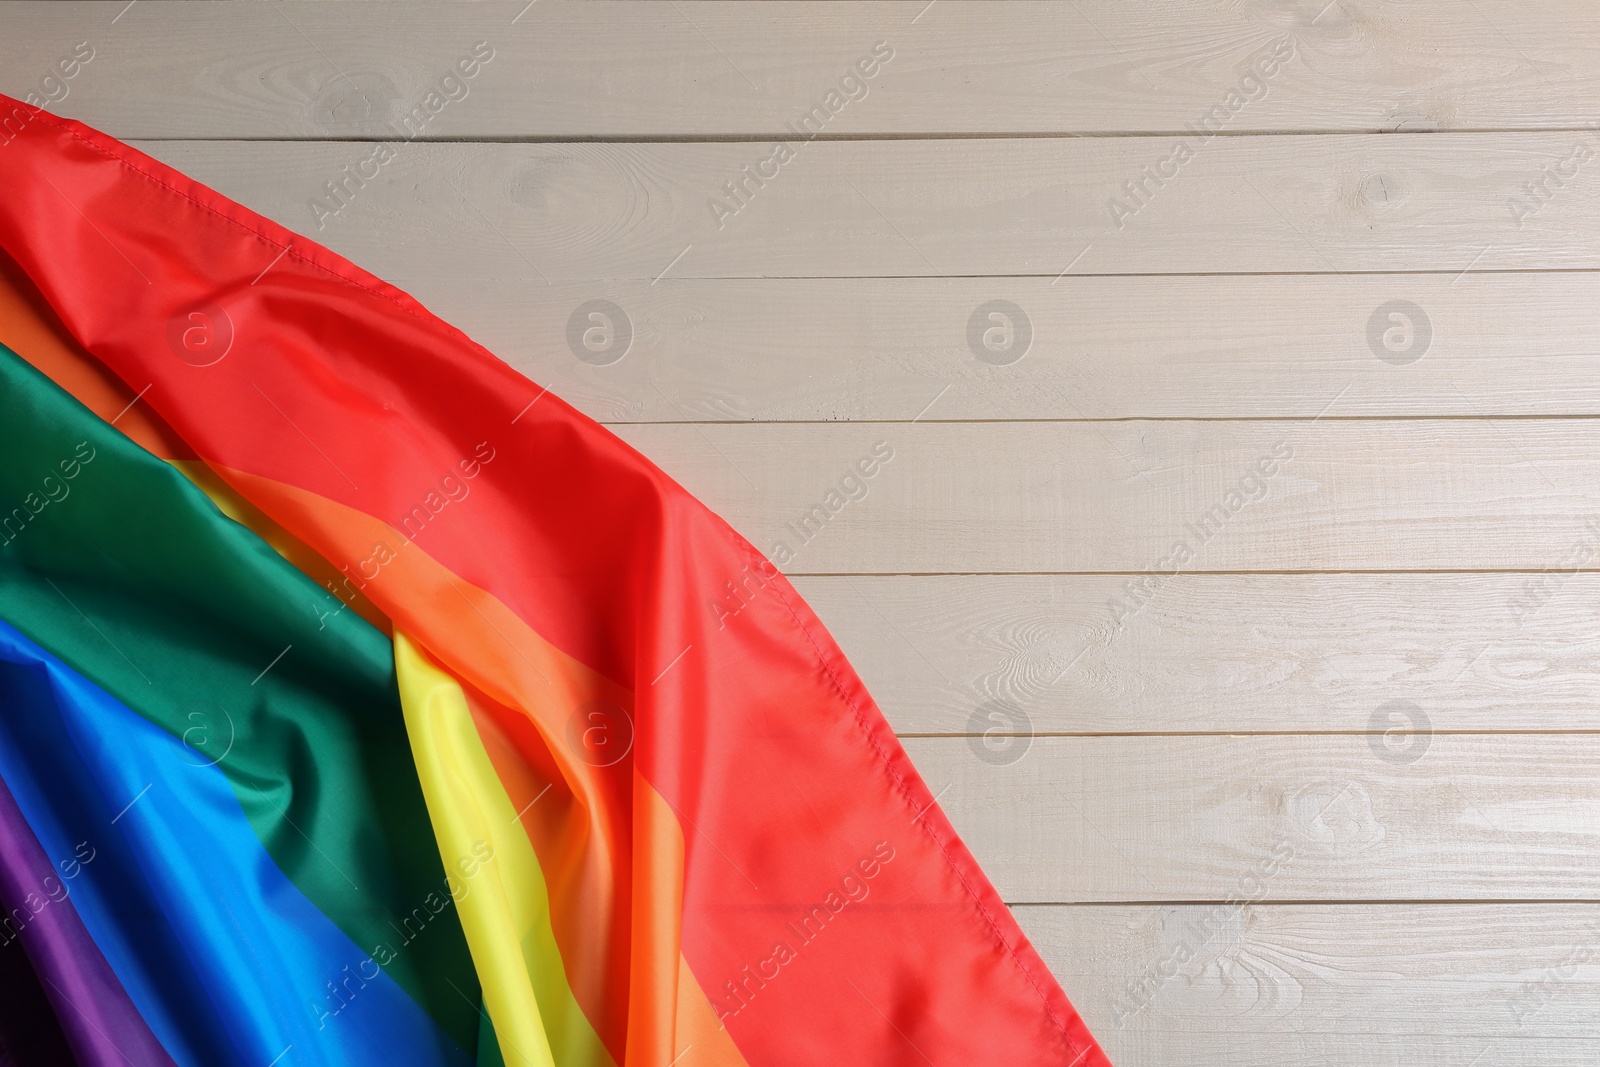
[(224, 957)]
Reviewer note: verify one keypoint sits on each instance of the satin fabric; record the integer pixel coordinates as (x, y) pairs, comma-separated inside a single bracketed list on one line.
[(761, 849), (223, 957), (504, 902), (132, 575), (29, 1030), (72, 1008)]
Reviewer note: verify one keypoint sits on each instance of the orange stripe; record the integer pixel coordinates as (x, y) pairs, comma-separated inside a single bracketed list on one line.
[(34, 333), (664, 988), (589, 917), (657, 928), (31, 332)]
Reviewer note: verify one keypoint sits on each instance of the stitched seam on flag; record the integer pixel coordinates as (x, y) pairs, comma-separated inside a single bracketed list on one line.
[(823, 661), (285, 238), (905, 793)]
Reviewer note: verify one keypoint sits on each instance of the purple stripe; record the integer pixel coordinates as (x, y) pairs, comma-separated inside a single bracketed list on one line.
[(29, 1031), (100, 1022)]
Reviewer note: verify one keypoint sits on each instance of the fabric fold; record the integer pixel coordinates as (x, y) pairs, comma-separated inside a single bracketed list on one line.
[(85, 1008), (224, 960), (721, 779), (243, 676)]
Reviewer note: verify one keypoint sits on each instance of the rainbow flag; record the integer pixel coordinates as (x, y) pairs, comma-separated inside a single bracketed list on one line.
[(361, 701)]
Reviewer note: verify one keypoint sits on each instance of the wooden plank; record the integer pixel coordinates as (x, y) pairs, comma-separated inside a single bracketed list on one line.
[(1210, 346), (1136, 496), (1325, 985), (719, 69), (1223, 653), (1288, 818), (482, 231), (542, 213)]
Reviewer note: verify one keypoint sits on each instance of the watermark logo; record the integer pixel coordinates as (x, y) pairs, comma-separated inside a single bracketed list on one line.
[(52, 89), (205, 734), (1196, 940), (52, 489), (1534, 996), (350, 982), (739, 191), (852, 486), (1399, 332), (1399, 732), (1251, 85), (1551, 180), (1251, 488), (999, 332), (600, 733), (200, 336), (599, 333), (1537, 591), (999, 734), (368, 103), (843, 898)]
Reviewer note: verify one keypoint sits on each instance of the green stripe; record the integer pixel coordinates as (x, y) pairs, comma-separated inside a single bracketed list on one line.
[(115, 562)]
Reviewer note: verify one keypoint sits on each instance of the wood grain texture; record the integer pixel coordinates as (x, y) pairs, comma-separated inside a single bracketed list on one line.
[(1249, 817), (573, 70), (1135, 496), (543, 213), (1223, 653), (1209, 346), (1293, 818), (1389, 984)]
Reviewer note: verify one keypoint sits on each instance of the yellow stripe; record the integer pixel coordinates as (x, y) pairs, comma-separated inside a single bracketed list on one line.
[(530, 674), (499, 888)]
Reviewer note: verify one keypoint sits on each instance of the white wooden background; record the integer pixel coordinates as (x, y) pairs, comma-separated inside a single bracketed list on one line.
[(1330, 795)]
